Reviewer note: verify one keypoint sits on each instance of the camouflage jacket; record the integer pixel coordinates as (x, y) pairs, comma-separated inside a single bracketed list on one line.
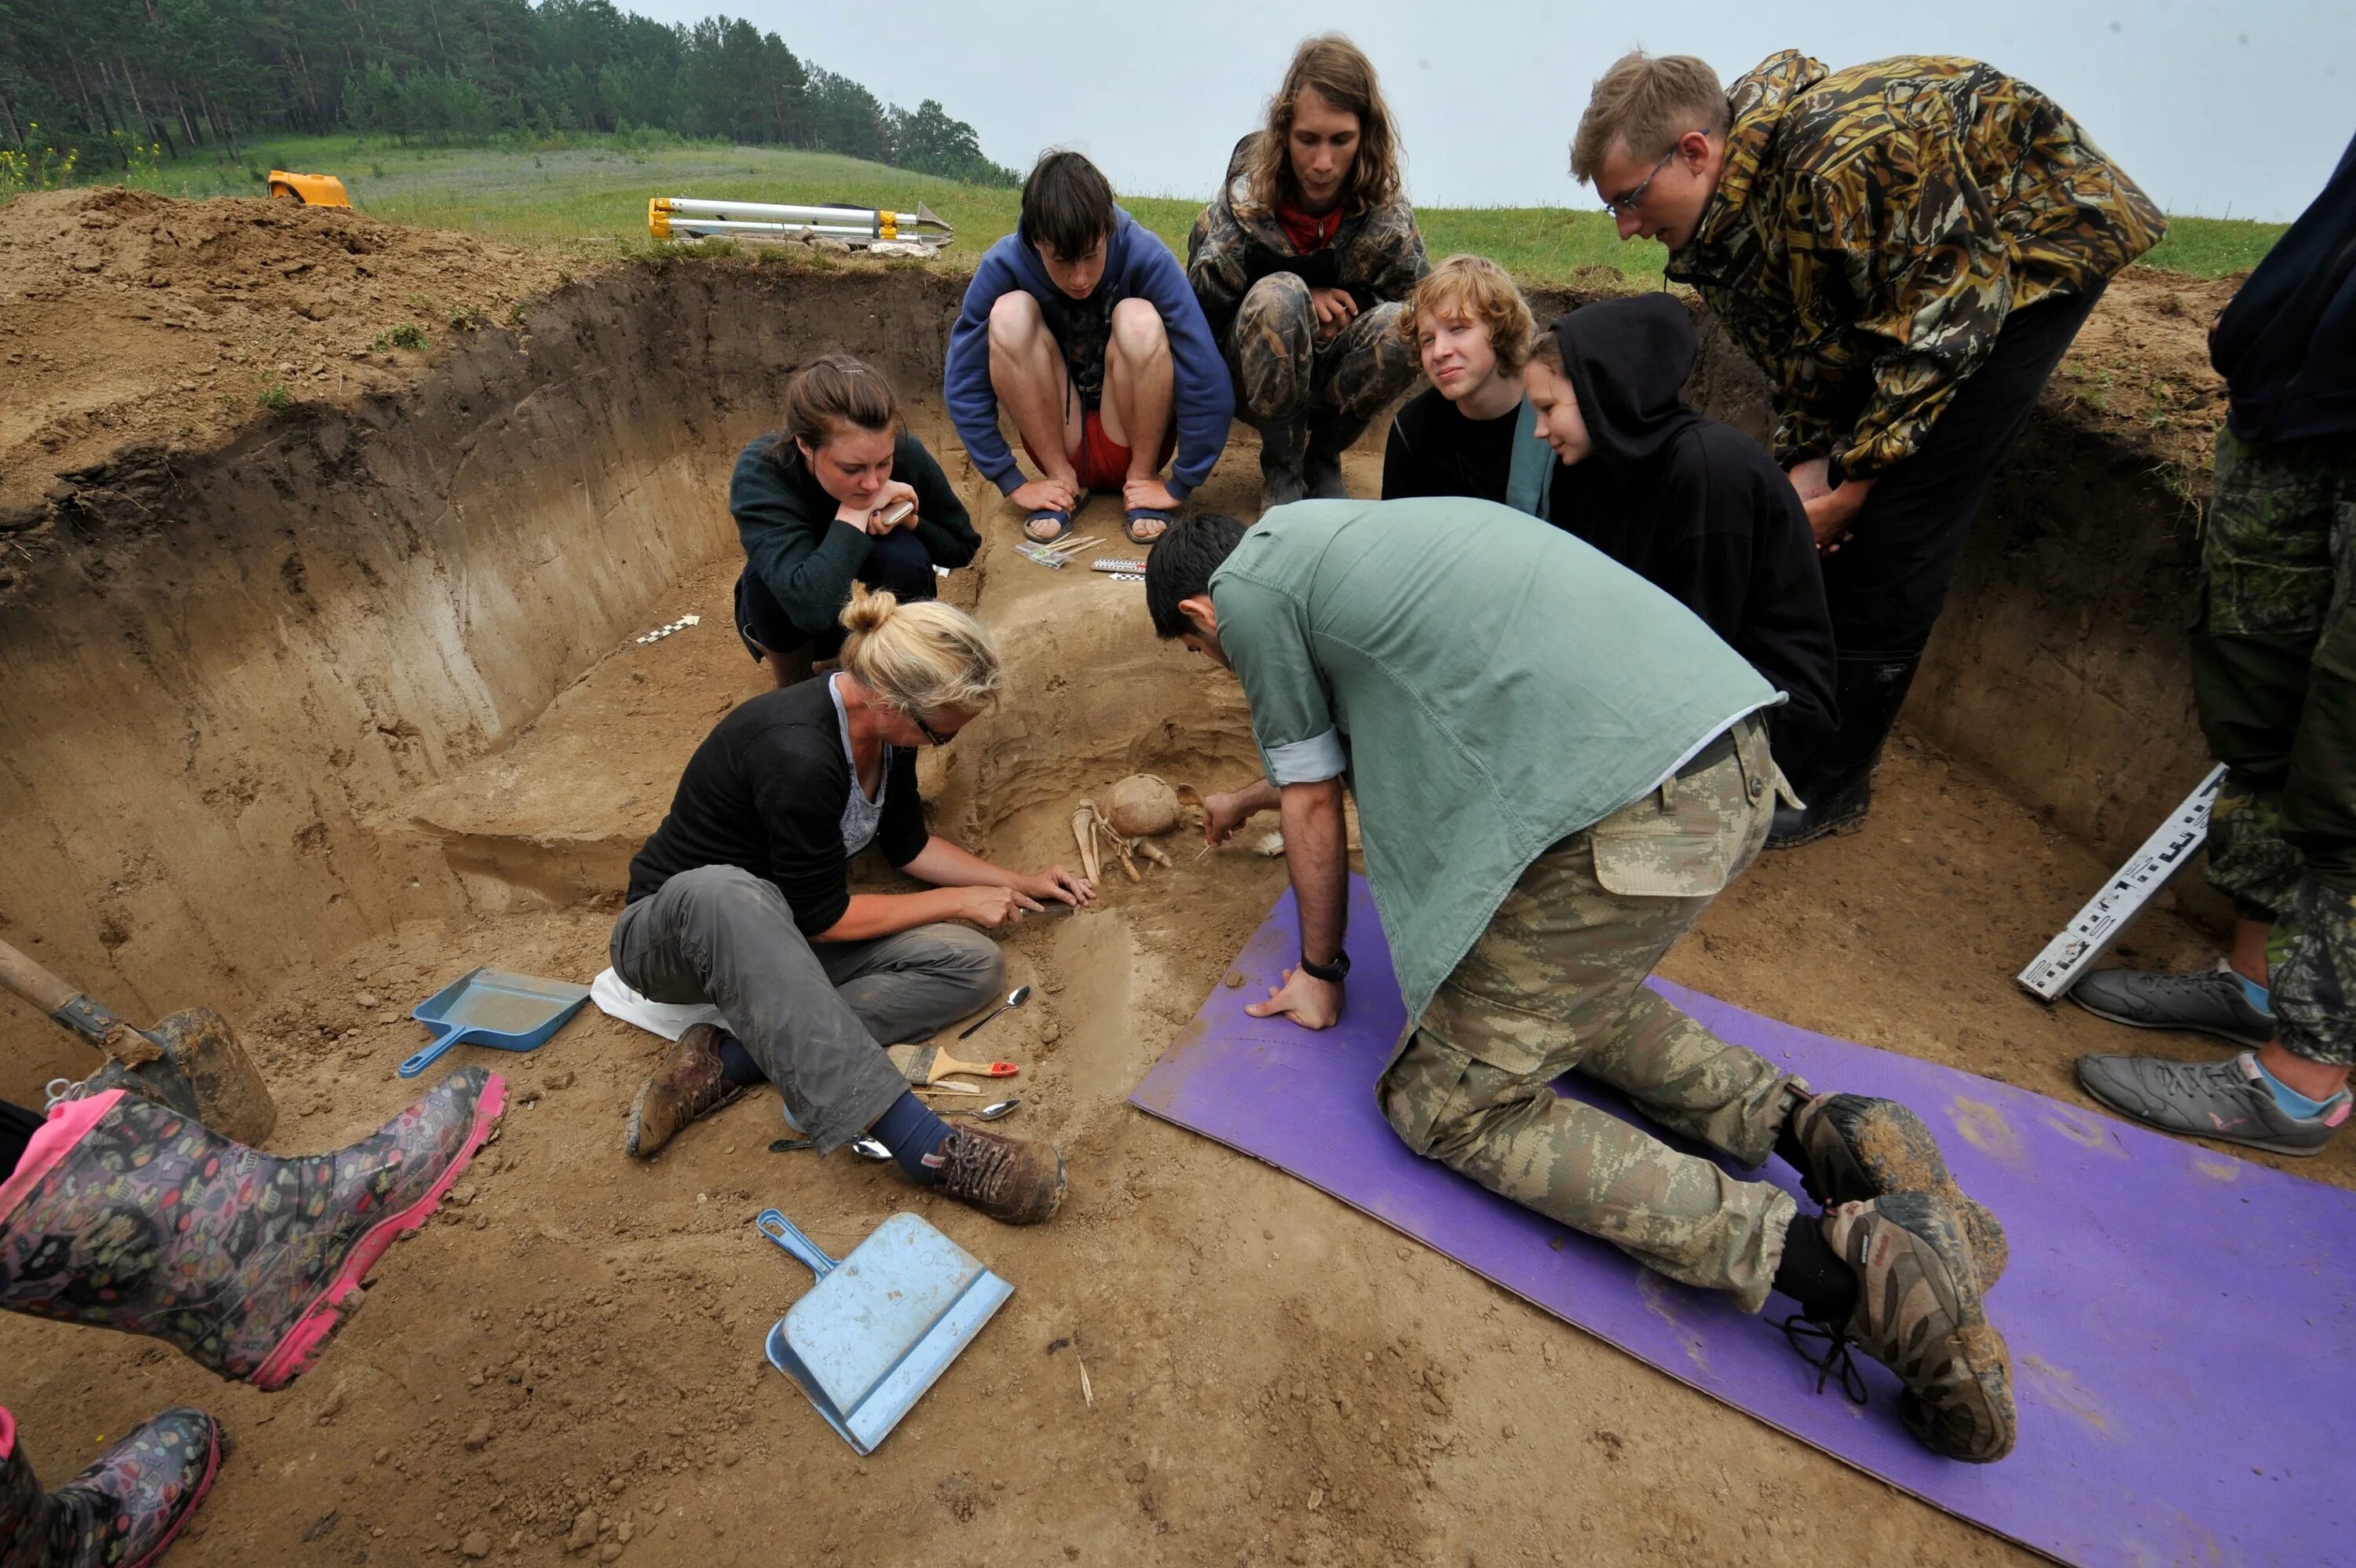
[(1378, 256), (1873, 225)]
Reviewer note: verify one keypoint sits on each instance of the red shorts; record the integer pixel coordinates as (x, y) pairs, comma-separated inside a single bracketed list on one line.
[(1103, 464)]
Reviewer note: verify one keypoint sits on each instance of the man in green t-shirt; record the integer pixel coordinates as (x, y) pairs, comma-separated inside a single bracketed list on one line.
[(1557, 767)]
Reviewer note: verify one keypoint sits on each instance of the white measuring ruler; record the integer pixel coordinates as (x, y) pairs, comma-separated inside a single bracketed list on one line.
[(2092, 930)]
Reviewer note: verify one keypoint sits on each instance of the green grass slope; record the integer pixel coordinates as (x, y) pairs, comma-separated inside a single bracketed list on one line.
[(591, 193)]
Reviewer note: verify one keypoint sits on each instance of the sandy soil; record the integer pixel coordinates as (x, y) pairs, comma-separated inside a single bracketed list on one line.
[(1275, 1377), (131, 319), (565, 1365)]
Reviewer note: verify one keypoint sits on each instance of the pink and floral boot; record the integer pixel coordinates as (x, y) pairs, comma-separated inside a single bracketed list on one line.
[(127, 1214), (123, 1511)]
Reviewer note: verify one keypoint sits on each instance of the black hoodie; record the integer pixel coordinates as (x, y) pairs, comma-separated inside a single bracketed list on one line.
[(2287, 345), (1693, 506)]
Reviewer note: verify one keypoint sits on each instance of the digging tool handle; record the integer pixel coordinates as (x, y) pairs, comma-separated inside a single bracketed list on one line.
[(54, 996), (780, 1230)]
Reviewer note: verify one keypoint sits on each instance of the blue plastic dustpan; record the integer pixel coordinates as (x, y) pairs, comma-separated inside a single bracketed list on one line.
[(882, 1325), (490, 1006)]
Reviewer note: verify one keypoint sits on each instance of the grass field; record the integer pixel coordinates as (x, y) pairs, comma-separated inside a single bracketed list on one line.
[(592, 195)]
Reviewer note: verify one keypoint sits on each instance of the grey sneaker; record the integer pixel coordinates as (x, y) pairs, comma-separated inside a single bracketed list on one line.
[(2211, 1002), (1919, 1313), (2224, 1100)]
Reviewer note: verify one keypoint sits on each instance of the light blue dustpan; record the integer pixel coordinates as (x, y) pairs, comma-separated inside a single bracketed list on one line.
[(882, 1325), (491, 1007)]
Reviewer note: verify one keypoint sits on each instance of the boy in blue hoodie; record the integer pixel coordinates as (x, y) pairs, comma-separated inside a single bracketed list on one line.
[(1082, 323)]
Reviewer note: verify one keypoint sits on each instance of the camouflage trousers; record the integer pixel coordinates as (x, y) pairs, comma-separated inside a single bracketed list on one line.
[(2274, 668), (1281, 371), (1556, 985)]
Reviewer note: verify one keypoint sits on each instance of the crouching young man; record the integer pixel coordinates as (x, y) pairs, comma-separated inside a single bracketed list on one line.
[(1082, 326), (1551, 785)]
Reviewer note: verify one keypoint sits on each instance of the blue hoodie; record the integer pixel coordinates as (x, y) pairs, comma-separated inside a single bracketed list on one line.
[(1137, 265)]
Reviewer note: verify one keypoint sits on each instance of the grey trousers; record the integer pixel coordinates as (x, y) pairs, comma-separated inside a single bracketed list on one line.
[(816, 1017)]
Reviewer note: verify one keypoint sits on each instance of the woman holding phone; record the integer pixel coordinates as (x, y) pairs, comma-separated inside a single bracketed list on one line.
[(843, 494)]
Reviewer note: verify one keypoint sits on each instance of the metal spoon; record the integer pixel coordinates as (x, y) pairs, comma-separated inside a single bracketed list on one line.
[(1014, 999), (866, 1148), (988, 1113)]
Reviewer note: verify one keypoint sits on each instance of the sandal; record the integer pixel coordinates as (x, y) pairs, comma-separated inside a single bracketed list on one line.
[(1139, 516), (1058, 521)]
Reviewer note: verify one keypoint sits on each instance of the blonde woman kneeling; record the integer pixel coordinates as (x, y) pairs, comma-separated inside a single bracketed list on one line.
[(741, 900)]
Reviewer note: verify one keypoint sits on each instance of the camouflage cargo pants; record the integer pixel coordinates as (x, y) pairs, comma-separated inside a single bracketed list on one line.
[(2274, 668), (1282, 372), (1556, 985)]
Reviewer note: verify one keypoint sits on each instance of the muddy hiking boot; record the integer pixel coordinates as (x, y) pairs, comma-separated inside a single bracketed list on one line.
[(688, 1086), (121, 1512), (1856, 1149), (2213, 1001), (1919, 1313), (1330, 435), (149, 1224), (1013, 1180), (1280, 479), (2228, 1100)]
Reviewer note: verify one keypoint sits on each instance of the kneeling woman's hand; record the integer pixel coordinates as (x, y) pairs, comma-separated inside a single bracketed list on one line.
[(1060, 885)]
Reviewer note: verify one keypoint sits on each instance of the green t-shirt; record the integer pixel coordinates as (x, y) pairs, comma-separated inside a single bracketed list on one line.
[(1490, 685)]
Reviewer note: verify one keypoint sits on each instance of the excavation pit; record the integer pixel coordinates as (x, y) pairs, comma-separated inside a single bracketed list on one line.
[(303, 721)]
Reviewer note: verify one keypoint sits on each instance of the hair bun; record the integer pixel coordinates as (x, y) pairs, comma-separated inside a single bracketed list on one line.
[(868, 610)]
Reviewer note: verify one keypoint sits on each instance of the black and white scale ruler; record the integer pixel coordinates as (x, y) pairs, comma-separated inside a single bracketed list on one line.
[(2110, 912)]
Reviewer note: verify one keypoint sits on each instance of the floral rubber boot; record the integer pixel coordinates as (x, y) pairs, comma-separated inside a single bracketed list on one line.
[(126, 1214), (121, 1512)]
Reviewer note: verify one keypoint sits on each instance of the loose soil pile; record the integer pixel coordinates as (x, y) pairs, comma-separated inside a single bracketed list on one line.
[(130, 318), (565, 1367)]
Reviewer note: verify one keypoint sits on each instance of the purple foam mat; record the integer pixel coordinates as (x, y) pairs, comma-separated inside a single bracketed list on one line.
[(2182, 1322)]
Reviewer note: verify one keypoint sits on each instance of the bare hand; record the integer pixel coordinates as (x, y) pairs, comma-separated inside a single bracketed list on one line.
[(1060, 885), (1811, 477), (1223, 813), (1309, 1002), (1046, 493), (1829, 515), (893, 493), (1149, 492), (1334, 309), (993, 907)]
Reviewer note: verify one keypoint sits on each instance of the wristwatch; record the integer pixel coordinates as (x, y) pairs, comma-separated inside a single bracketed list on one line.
[(1332, 973)]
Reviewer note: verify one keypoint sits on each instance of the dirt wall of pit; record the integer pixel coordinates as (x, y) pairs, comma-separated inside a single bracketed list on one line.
[(221, 667), (215, 667)]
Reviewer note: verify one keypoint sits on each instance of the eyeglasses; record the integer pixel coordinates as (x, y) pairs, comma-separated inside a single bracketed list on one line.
[(929, 733), (1627, 202)]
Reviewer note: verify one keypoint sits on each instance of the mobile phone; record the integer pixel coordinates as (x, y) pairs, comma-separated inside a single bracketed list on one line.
[(897, 513)]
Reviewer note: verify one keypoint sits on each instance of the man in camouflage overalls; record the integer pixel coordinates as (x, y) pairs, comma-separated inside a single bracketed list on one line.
[(2274, 669), (1552, 784), (1906, 247)]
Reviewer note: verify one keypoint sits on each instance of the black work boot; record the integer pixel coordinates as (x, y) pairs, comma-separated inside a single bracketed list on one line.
[(1331, 432), (1280, 481), (1836, 779)]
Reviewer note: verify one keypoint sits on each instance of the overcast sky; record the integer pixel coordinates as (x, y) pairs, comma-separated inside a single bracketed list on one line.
[(2211, 107)]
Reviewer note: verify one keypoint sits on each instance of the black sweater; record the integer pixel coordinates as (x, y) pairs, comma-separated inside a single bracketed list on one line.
[(1691, 505), (765, 791), (2287, 345), (1435, 450), (808, 559)]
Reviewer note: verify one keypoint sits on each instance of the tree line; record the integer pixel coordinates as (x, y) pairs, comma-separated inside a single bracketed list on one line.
[(110, 79)]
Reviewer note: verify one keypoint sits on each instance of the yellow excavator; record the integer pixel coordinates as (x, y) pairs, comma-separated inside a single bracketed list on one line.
[(307, 190)]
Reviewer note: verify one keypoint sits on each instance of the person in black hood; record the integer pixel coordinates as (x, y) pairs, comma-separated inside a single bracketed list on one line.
[(1692, 506)]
